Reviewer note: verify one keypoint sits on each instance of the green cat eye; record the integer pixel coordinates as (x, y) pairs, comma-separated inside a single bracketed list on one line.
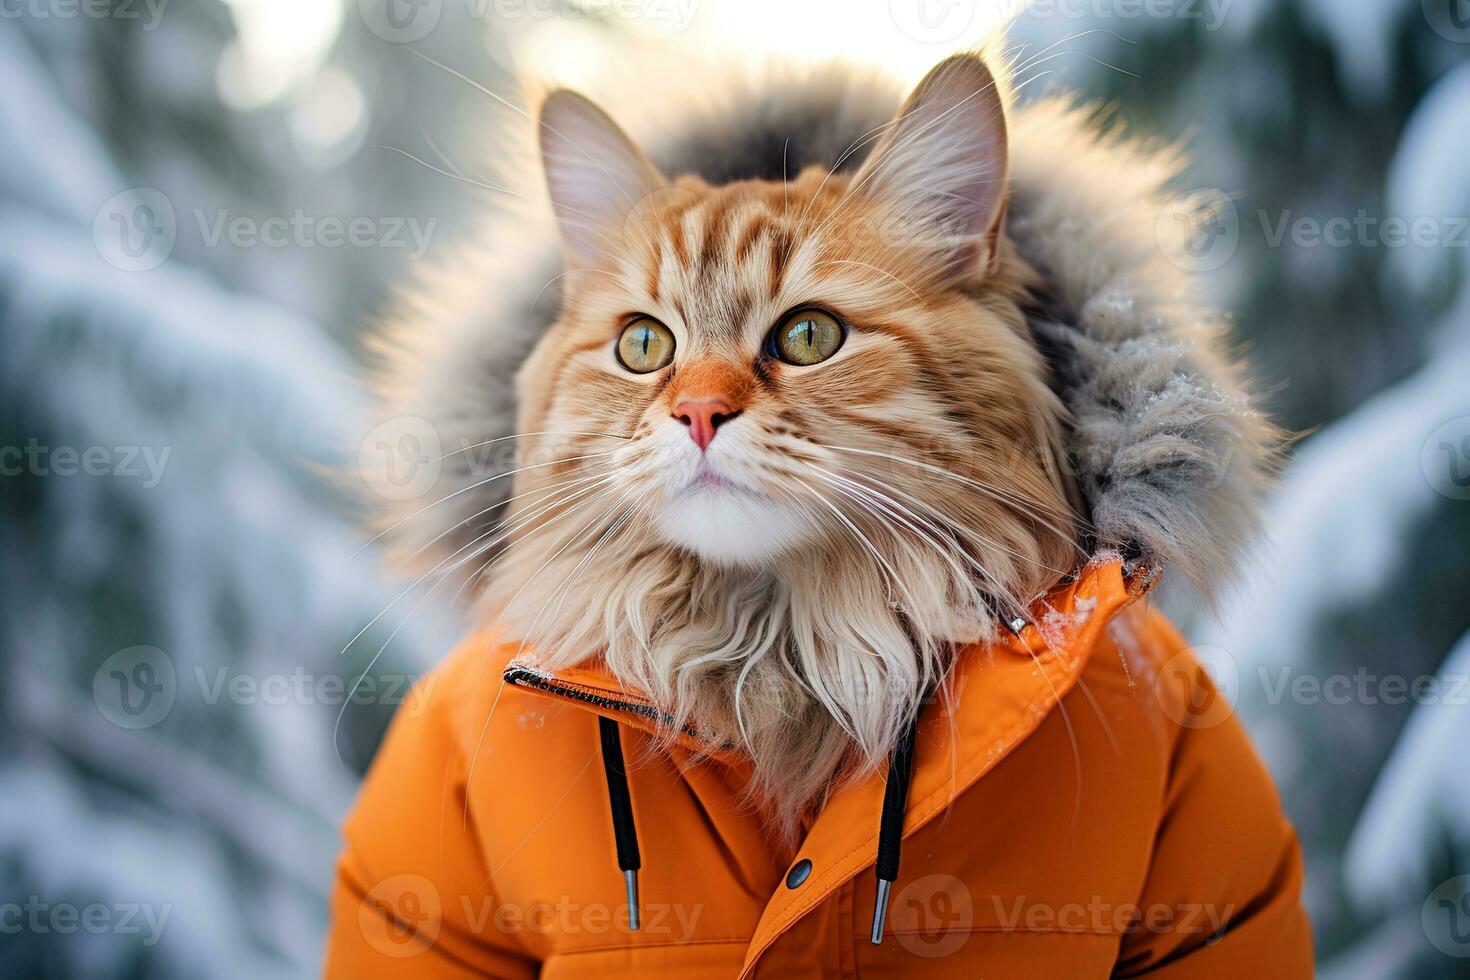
[(807, 337), (645, 345)]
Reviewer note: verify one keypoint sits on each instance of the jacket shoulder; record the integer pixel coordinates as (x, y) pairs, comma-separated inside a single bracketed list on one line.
[(412, 875), (1224, 859)]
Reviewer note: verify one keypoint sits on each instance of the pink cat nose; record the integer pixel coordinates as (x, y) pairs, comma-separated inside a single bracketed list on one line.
[(703, 416)]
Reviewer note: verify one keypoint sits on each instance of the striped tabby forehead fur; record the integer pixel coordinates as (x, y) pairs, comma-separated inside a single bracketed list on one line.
[(882, 505)]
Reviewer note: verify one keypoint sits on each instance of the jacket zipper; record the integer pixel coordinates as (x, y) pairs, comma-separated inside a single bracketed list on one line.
[(526, 677)]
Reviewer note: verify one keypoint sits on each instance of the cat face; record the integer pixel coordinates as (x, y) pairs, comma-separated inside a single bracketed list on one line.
[(784, 369)]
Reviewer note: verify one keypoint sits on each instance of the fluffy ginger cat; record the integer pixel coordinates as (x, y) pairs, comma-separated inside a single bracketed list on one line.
[(787, 442)]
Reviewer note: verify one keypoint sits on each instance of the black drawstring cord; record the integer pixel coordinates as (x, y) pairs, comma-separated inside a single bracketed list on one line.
[(890, 825), (895, 806), (624, 831)]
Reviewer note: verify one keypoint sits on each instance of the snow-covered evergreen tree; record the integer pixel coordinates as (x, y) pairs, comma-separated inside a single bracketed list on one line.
[(178, 741)]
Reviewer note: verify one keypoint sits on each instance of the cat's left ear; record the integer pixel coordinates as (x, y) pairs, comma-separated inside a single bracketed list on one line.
[(595, 174), (938, 173)]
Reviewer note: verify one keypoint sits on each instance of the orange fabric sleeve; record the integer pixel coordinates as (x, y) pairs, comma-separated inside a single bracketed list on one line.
[(409, 899), (1222, 896)]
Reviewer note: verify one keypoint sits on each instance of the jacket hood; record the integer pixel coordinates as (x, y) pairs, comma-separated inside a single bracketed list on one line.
[(1169, 452)]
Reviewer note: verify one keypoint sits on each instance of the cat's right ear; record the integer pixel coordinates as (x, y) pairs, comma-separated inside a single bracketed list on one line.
[(595, 174), (939, 171)]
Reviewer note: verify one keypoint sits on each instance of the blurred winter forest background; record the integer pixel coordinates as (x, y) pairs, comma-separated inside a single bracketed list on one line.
[(204, 202)]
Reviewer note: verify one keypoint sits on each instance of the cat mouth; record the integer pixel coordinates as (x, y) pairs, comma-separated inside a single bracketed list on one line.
[(707, 479)]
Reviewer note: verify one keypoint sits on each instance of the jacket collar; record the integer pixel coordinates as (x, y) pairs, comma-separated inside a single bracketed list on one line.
[(999, 694), (1063, 626)]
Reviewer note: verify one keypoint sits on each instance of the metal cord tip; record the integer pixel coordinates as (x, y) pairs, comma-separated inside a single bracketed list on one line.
[(630, 878), (880, 911)]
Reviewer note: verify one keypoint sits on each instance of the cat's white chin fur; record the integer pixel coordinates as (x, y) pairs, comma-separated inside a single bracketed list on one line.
[(730, 525), (711, 508)]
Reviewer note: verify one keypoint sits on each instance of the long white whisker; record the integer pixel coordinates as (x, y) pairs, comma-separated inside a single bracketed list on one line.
[(521, 524), (565, 588), (1001, 493), (504, 503), (476, 485), (883, 562), (528, 435), (570, 541), (443, 157), (517, 109), (998, 493), (937, 542), (479, 741), (874, 268), (866, 498), (852, 148), (557, 278), (438, 170), (404, 622), (952, 526), (418, 581)]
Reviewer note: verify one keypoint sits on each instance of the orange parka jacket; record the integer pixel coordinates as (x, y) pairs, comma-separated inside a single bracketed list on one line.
[(1082, 804)]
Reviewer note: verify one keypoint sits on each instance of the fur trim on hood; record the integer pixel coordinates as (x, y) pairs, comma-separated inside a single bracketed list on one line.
[(1169, 451)]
